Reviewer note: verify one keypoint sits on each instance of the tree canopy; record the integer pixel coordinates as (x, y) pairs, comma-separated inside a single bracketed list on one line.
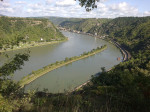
[(88, 4)]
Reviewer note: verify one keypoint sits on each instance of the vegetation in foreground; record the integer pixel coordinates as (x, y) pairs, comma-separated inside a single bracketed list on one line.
[(35, 74), (126, 88)]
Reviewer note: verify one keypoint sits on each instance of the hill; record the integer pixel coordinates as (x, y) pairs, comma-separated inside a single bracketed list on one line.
[(1, 15), (26, 30), (83, 25), (58, 20), (131, 32)]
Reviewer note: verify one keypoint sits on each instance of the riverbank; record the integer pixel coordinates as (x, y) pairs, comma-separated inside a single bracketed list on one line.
[(126, 54), (26, 45), (36, 74)]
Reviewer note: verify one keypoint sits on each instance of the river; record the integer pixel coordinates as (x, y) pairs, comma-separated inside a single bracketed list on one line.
[(71, 75)]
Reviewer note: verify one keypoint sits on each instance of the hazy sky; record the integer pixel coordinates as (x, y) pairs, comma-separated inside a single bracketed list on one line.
[(71, 8)]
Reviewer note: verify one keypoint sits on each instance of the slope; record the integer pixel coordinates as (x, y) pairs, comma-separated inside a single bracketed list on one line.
[(26, 30)]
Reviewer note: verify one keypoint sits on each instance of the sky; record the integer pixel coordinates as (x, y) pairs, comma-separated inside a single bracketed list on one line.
[(71, 8)]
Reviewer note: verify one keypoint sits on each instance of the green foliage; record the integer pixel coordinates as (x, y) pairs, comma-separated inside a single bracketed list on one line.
[(132, 33), (8, 88), (88, 4), (5, 105), (131, 87), (12, 66)]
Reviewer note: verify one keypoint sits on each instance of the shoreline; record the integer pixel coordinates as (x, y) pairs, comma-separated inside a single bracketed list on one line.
[(126, 54), (36, 45), (78, 32), (29, 78)]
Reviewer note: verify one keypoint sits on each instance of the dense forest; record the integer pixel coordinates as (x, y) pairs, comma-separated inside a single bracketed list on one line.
[(26, 30), (125, 88), (83, 25), (58, 20), (131, 32)]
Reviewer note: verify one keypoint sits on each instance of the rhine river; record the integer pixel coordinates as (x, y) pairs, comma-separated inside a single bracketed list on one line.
[(72, 75)]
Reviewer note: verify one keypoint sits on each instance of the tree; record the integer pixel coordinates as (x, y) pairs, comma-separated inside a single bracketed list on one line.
[(89, 4), (7, 86), (66, 59)]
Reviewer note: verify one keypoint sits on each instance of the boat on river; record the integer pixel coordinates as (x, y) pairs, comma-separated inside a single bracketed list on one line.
[(118, 58)]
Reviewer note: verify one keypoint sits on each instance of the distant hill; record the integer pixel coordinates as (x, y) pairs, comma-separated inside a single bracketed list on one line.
[(58, 20), (83, 25), (2, 15)]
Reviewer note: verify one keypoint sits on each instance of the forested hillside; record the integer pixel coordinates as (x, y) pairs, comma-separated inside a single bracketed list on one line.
[(131, 32), (58, 20), (26, 30), (83, 25)]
